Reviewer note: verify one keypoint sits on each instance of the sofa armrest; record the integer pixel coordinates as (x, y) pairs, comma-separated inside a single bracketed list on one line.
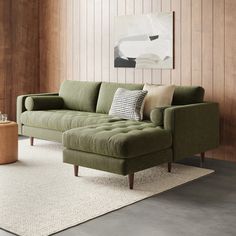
[(20, 104), (195, 128)]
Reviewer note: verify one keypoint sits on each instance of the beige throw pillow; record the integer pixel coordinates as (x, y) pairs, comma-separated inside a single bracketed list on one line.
[(158, 96)]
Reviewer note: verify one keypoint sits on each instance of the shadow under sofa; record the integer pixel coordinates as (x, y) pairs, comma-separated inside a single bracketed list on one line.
[(78, 117)]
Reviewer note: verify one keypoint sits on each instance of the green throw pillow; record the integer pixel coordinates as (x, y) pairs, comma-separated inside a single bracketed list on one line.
[(34, 103)]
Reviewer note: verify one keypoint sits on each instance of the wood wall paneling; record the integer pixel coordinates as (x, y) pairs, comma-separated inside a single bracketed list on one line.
[(121, 8), (5, 50), (147, 73), (19, 52), (83, 40), (230, 81), (69, 41), (166, 74), (176, 73), (105, 40), (186, 42), (196, 42), (76, 35), (130, 11), (207, 48), (156, 73), (218, 92), (138, 73), (50, 46), (98, 40), (113, 14)]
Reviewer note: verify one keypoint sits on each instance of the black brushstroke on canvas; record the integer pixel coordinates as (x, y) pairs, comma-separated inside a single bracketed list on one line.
[(128, 63)]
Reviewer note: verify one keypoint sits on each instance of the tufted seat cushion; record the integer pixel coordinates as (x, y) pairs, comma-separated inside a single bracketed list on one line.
[(122, 139), (62, 120)]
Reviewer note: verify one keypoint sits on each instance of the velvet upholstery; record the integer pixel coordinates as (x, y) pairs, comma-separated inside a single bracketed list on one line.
[(96, 140), (106, 94), (20, 107), (157, 115), (62, 120), (34, 103), (79, 95), (122, 139), (40, 133), (195, 128), (122, 166), (184, 95)]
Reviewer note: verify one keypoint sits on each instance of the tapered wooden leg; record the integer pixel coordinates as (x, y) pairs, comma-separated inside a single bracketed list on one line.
[(131, 181), (169, 166), (76, 170), (31, 141), (202, 159)]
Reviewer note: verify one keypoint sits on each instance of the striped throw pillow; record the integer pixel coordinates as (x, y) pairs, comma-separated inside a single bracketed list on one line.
[(128, 104)]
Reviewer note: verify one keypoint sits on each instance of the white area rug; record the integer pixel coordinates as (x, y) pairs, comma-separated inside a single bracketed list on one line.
[(39, 194)]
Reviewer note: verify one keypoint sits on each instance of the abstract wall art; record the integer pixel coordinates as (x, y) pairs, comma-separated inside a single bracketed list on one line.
[(144, 41)]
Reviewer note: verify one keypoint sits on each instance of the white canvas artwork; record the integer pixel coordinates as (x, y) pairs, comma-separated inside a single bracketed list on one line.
[(144, 41)]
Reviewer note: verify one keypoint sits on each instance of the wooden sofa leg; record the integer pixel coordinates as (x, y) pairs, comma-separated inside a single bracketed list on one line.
[(202, 159), (169, 166), (31, 141), (131, 181), (76, 170)]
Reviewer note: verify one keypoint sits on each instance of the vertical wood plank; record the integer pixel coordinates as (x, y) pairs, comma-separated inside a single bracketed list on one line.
[(83, 39), (105, 40), (166, 73), (230, 80), (207, 48), (147, 73), (42, 47), (186, 43), (23, 73), (69, 41), (113, 14), (138, 11), (90, 41), (19, 39), (219, 62), (63, 39), (207, 51), (5, 51), (76, 36), (156, 73), (130, 11), (2, 105), (121, 12), (176, 72), (98, 41), (196, 42)]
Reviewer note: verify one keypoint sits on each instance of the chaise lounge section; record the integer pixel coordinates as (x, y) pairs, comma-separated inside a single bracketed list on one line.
[(78, 117)]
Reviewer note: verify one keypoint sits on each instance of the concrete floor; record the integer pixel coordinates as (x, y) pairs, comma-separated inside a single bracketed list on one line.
[(204, 207)]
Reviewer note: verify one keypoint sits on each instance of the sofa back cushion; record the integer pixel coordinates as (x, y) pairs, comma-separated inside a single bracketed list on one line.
[(184, 95), (106, 94), (79, 95), (97, 96)]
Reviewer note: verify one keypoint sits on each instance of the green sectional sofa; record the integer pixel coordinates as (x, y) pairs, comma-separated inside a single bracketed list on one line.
[(78, 117)]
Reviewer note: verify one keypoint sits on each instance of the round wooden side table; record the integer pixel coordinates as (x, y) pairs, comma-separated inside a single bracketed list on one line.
[(8, 142)]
